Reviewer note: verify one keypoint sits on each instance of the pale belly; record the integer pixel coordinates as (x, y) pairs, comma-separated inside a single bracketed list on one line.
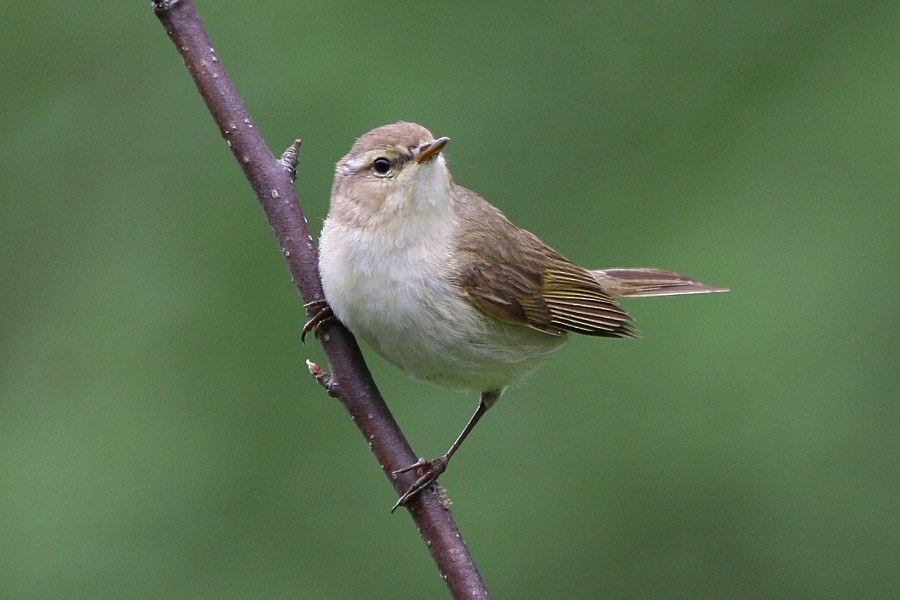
[(455, 347), (429, 329), (490, 359)]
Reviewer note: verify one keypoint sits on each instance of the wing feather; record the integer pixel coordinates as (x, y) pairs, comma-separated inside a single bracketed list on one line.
[(512, 275)]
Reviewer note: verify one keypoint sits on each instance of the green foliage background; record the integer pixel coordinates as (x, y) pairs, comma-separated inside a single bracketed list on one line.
[(159, 435)]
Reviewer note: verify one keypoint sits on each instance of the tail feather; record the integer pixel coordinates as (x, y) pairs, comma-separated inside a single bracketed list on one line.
[(646, 282)]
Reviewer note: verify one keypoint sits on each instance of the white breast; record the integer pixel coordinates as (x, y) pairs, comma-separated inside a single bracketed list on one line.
[(393, 287)]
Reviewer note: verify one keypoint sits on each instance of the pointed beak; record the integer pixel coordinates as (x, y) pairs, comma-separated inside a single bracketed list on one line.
[(431, 149)]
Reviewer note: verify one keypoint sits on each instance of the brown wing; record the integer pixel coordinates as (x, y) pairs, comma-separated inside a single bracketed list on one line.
[(578, 303), (513, 276)]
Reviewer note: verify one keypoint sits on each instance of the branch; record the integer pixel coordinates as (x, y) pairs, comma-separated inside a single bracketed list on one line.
[(272, 182)]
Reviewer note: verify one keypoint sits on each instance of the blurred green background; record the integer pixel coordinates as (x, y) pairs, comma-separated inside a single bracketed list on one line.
[(159, 434)]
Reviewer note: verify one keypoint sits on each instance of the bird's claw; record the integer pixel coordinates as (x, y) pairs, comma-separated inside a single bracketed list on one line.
[(323, 316), (431, 470)]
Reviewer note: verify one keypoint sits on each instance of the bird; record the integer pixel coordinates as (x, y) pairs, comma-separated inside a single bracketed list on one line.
[(442, 285)]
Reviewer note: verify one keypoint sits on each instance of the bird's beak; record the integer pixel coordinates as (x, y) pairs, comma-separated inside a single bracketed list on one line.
[(429, 150)]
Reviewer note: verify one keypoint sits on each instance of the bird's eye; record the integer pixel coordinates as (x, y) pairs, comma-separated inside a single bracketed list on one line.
[(381, 165)]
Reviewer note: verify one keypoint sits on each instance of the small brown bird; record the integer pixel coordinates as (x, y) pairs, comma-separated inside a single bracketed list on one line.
[(442, 285)]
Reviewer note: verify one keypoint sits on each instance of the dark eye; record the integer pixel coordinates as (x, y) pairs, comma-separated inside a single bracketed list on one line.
[(381, 165)]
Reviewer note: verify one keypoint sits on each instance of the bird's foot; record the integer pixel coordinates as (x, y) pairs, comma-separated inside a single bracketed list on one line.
[(427, 470), (323, 316)]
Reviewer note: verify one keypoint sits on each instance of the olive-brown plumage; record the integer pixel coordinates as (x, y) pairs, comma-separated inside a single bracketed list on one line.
[(440, 283), (510, 274)]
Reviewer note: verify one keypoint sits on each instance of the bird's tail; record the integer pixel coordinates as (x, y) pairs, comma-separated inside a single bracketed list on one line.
[(645, 282)]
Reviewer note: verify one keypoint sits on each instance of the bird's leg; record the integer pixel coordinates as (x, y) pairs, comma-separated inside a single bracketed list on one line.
[(432, 469), (322, 316)]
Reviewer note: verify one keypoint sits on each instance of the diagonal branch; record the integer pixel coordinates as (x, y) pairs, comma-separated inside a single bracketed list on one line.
[(272, 182)]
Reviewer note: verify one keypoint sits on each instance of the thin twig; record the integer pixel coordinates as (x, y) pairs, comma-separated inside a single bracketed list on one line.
[(272, 181)]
